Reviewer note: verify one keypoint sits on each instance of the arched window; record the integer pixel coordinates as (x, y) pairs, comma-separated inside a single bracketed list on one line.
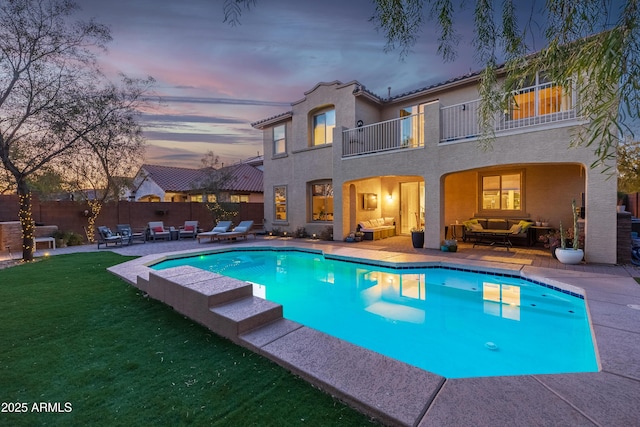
[(322, 124)]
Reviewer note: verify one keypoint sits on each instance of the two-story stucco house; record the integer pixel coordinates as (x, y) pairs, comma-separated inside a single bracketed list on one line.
[(343, 155)]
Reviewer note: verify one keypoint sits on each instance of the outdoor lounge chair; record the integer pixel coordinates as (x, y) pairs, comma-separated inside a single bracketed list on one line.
[(106, 237), (221, 227), (129, 236), (189, 229), (241, 230), (158, 231)]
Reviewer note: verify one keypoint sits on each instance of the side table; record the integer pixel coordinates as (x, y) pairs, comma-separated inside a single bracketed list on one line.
[(537, 232)]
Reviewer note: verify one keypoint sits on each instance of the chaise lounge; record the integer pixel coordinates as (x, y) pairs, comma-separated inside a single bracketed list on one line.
[(221, 227), (241, 230)]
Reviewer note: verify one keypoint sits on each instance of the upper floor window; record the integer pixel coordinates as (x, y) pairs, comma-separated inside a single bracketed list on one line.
[(323, 125), (279, 140), (502, 192), (539, 98)]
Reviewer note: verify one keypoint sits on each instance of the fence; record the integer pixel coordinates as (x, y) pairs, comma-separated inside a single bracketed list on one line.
[(72, 216)]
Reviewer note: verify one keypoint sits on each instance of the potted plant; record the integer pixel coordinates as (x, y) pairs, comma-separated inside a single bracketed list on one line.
[(417, 237), (574, 254), (449, 245)]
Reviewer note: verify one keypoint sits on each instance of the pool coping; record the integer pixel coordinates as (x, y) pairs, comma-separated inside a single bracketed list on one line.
[(398, 394)]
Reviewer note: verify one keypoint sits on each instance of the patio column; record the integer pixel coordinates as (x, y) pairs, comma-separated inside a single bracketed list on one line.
[(433, 231), (601, 218)]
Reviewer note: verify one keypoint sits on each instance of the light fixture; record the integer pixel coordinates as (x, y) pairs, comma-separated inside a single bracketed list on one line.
[(464, 107), (390, 197)]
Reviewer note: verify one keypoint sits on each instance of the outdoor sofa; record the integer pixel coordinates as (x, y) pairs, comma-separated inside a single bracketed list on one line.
[(498, 231), (378, 228)]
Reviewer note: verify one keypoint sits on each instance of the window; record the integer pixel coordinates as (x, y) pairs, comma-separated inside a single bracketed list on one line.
[(279, 140), (412, 127), (280, 202), (540, 98), (502, 192), (196, 198), (323, 124), (321, 200), (239, 198)]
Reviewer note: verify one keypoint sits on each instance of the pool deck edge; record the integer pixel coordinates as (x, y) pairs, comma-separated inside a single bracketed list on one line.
[(608, 397)]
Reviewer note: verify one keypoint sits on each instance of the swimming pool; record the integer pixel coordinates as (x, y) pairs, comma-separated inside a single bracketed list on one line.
[(454, 323)]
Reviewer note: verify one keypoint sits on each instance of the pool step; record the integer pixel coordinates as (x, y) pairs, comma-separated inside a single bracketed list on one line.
[(223, 304)]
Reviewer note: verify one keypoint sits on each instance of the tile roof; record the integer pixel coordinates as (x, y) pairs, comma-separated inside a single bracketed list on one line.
[(171, 178), (244, 177)]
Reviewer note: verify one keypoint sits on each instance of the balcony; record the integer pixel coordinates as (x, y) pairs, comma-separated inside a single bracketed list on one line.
[(391, 135), (543, 104), (535, 105)]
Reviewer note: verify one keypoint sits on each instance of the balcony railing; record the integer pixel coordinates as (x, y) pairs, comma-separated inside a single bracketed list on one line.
[(535, 105), (397, 134)]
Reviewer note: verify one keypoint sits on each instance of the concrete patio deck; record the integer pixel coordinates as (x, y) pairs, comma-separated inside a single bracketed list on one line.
[(399, 394)]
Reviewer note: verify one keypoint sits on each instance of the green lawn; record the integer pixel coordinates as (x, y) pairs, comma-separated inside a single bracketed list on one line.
[(74, 335)]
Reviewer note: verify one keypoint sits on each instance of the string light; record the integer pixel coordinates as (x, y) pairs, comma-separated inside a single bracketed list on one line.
[(95, 207), (219, 212), (27, 226)]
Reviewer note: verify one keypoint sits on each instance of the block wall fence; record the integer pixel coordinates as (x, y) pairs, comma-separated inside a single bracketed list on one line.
[(70, 215)]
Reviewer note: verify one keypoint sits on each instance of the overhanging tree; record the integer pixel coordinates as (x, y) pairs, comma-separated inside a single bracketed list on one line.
[(595, 43), (54, 102), (215, 179)]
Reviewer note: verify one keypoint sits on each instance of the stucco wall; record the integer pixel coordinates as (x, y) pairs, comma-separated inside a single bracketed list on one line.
[(554, 174)]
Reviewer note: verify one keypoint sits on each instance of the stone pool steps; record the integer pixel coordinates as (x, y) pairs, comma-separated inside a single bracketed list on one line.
[(388, 390), (224, 305)]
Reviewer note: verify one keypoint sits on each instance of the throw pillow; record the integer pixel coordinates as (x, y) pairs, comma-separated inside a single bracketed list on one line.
[(515, 229), (188, 228), (476, 227), (467, 224), (158, 229), (524, 225)]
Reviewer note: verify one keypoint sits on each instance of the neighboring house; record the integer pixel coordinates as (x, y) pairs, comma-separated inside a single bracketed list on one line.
[(417, 156), (155, 183)]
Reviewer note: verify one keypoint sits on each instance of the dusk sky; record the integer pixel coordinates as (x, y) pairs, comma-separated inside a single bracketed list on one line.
[(216, 79)]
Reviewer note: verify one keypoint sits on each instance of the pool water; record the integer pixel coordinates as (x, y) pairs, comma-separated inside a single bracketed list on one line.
[(457, 324)]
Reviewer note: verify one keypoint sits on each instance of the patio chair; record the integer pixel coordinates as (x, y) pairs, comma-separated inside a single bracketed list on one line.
[(129, 236), (221, 227), (189, 229), (158, 231), (106, 237), (241, 230)]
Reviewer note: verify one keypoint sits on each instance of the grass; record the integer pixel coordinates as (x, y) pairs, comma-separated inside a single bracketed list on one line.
[(73, 333)]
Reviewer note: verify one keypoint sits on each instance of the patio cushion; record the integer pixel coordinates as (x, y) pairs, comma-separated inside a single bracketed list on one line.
[(469, 223), (475, 227), (525, 224)]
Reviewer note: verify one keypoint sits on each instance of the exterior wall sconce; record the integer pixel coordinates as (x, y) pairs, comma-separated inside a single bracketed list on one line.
[(390, 197)]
